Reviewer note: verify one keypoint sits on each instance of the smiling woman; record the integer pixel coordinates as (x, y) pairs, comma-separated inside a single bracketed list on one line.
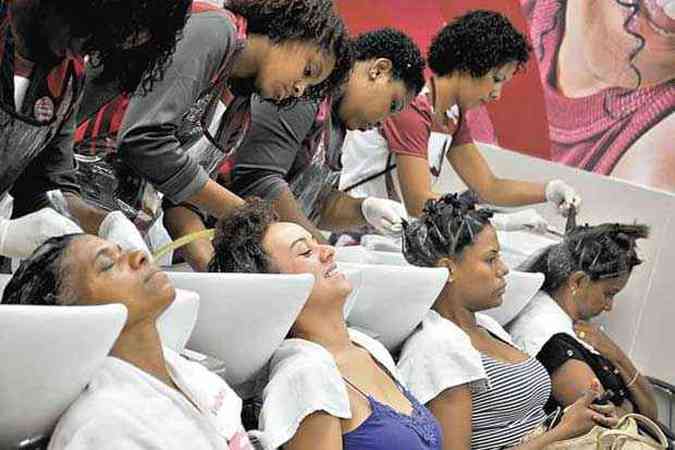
[(144, 391), (352, 397)]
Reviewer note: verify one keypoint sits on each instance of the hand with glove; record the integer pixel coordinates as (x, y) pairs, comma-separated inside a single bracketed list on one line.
[(117, 228), (527, 219), (20, 237), (384, 215), (562, 196), (379, 243)]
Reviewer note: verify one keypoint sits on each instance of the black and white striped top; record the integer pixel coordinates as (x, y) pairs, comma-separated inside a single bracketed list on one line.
[(512, 406)]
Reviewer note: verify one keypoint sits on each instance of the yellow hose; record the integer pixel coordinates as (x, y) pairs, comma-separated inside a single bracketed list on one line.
[(185, 240)]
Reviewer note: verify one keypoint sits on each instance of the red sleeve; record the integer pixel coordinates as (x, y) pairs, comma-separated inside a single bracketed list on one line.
[(475, 126), (407, 133)]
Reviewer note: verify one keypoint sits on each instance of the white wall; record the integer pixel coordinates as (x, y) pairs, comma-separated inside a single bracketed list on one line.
[(643, 319)]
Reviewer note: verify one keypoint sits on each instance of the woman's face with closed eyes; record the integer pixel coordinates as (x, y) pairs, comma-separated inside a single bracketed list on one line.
[(100, 272)]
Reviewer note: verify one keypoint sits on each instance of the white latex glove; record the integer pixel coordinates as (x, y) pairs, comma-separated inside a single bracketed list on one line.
[(380, 243), (527, 219), (562, 196), (385, 215), (120, 230), (20, 237)]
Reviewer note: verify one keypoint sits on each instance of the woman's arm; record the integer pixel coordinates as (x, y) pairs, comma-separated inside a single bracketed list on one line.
[(640, 388), (453, 409), (578, 419), (180, 221), (475, 172), (415, 182), (570, 381), (319, 430)]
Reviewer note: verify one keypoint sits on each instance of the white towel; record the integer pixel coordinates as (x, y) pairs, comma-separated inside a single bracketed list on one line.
[(304, 379), (539, 321), (440, 356)]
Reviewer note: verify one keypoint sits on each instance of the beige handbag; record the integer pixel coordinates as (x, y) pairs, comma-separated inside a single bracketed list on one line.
[(624, 436)]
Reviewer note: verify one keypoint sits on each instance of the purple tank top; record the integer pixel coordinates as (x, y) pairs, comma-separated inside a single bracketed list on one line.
[(388, 429)]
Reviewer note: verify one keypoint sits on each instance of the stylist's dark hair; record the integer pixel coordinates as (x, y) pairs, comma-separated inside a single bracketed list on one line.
[(304, 21), (404, 54), (238, 242), (41, 278), (601, 252), (446, 227), (114, 28), (475, 43)]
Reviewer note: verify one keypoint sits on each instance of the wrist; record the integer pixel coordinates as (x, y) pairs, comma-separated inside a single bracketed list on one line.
[(617, 357), (558, 433)]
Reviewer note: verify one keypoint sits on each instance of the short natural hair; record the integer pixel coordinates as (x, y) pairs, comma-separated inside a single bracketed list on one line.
[(446, 227), (238, 242), (43, 278), (475, 43), (601, 252), (303, 21), (405, 56), (111, 25)]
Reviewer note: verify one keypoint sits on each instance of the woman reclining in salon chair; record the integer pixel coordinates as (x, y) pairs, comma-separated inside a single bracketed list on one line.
[(485, 392), (145, 395), (584, 272), (329, 387)]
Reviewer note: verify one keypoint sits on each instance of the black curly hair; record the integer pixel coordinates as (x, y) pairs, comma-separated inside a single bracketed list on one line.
[(302, 20), (601, 252), (41, 279), (446, 227), (112, 26), (238, 242), (475, 43), (405, 56)]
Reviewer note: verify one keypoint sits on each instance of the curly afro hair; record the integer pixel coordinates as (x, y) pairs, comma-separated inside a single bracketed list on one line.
[(446, 227), (602, 251), (238, 242), (314, 21), (113, 27), (476, 43), (405, 55)]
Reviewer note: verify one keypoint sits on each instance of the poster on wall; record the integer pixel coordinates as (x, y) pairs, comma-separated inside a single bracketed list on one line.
[(598, 92)]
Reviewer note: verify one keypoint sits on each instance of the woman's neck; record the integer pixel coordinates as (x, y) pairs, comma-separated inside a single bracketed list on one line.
[(141, 346), (563, 297), (326, 328), (450, 307), (248, 61), (447, 89)]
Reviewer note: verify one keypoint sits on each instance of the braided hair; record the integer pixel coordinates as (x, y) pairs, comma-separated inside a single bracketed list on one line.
[(238, 242), (41, 279), (447, 226), (601, 252)]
